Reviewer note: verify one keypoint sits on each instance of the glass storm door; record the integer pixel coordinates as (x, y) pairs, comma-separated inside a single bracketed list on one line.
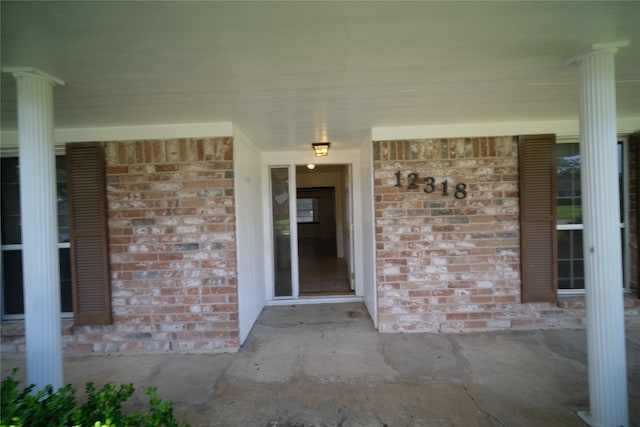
[(281, 217)]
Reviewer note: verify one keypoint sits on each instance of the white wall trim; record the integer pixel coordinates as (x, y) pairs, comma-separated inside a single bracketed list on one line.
[(249, 231), (562, 128), (238, 133), (368, 239), (288, 159), (9, 139)]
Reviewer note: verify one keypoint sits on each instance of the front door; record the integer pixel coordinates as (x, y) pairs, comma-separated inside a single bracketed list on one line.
[(354, 214), (311, 215)]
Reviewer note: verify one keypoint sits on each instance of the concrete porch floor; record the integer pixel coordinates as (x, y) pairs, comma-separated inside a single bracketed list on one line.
[(324, 365)]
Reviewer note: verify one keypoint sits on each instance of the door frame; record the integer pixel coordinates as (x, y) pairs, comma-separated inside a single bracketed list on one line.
[(290, 159)]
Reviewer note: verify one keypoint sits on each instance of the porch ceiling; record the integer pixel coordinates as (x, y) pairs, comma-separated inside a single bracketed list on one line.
[(289, 73)]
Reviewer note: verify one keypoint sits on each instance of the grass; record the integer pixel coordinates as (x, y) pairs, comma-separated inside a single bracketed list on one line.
[(572, 213)]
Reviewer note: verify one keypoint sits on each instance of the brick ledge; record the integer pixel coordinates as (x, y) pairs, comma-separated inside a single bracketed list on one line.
[(631, 300)]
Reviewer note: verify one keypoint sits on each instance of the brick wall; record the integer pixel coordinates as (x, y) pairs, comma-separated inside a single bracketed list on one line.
[(172, 249), (445, 263), (442, 263)]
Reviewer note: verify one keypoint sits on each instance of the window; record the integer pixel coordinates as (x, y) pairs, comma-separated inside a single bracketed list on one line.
[(82, 236), (12, 288), (569, 215), (307, 210)]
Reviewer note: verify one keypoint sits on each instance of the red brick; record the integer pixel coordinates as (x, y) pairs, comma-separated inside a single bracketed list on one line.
[(454, 268), (170, 256), (224, 307), (117, 170), (144, 257), (481, 299), (166, 289), (475, 324), (480, 315), (214, 299), (133, 213), (457, 316), (78, 347), (505, 298)]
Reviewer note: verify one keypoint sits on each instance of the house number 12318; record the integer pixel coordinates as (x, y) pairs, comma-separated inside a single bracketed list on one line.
[(430, 185)]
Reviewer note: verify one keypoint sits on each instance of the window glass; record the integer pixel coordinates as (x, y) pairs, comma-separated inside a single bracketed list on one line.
[(12, 287), (621, 185), (66, 301), (570, 260), (12, 282), (569, 206), (307, 210), (61, 190), (10, 202), (569, 214), (281, 230)]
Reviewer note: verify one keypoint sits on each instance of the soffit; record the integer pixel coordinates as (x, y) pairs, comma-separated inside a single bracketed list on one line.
[(289, 73)]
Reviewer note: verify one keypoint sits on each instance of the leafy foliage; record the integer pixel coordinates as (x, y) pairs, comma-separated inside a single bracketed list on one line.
[(49, 408)]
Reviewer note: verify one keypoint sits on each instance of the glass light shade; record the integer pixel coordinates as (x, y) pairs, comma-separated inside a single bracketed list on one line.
[(321, 149)]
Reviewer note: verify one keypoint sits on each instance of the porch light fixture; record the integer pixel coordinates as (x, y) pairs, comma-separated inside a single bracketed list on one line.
[(321, 149), (311, 166)]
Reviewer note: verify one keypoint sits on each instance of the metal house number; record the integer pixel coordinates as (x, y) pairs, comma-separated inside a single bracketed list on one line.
[(430, 185)]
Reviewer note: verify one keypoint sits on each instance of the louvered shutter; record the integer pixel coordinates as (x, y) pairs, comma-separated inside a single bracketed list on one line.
[(538, 235), (88, 231)]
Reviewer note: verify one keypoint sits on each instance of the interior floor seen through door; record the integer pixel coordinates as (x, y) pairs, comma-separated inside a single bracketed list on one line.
[(323, 275)]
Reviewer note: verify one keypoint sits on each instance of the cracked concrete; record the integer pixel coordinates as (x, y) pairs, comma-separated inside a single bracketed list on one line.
[(325, 365)]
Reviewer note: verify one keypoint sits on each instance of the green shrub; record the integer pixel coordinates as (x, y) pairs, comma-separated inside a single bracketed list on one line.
[(49, 408)]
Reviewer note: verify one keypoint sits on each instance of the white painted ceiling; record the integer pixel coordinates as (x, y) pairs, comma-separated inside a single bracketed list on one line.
[(290, 73)]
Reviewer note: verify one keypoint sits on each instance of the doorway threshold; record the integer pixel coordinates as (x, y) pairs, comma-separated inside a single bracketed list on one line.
[(314, 300)]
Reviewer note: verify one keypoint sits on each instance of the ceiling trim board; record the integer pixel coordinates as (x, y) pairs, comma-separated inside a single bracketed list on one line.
[(562, 128), (129, 133)]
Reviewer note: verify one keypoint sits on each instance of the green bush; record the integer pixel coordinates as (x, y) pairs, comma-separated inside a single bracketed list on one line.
[(103, 408)]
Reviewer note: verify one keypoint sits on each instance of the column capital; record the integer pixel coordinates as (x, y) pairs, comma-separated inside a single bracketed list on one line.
[(33, 73), (595, 48)]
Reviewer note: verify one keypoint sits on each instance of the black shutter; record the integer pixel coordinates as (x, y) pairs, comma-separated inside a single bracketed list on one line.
[(538, 237), (88, 233)]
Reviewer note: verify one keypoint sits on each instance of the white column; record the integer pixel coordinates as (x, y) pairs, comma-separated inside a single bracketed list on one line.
[(601, 238), (38, 210)]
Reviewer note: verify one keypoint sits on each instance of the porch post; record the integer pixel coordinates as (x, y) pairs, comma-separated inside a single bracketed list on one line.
[(602, 242), (38, 210)]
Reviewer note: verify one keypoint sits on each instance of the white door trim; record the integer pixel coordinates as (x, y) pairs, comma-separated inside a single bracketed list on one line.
[(290, 159)]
